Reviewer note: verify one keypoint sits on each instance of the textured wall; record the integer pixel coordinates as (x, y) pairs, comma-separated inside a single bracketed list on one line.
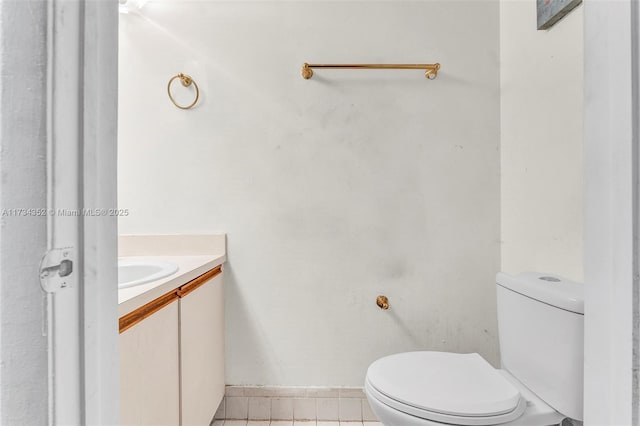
[(541, 141), (23, 341), (331, 190)]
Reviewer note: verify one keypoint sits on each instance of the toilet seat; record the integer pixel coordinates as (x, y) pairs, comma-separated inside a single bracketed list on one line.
[(460, 389)]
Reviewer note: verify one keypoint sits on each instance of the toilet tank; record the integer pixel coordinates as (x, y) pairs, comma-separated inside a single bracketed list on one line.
[(540, 327)]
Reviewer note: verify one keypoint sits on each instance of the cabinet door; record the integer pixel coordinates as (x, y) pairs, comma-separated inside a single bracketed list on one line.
[(202, 352), (149, 374)]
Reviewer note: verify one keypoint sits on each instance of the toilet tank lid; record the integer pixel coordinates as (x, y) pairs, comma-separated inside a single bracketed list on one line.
[(551, 289)]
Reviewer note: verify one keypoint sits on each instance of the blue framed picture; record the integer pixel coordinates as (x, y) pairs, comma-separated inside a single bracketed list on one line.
[(551, 11)]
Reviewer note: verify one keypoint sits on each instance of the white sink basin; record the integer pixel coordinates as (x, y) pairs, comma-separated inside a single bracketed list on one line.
[(135, 272)]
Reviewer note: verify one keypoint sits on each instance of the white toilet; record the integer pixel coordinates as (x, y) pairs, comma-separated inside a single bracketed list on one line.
[(540, 325)]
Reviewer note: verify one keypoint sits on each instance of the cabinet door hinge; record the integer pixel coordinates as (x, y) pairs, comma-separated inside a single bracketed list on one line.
[(56, 269)]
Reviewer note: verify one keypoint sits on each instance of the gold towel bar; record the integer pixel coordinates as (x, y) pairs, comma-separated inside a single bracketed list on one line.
[(186, 81), (431, 70)]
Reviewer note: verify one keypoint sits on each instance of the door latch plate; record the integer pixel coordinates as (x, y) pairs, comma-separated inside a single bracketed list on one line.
[(57, 269)]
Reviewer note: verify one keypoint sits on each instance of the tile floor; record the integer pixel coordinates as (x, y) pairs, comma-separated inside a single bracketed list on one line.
[(294, 406), (289, 423)]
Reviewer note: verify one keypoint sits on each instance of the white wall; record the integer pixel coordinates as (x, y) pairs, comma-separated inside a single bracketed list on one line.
[(541, 141), (23, 344), (332, 190)]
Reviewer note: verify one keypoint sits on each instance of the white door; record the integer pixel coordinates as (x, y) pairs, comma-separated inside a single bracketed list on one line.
[(612, 223)]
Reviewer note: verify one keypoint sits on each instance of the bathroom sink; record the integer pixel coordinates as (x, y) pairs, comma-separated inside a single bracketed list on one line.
[(135, 272)]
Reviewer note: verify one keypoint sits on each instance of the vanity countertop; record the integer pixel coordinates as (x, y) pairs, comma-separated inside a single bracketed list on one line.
[(189, 267), (193, 254)]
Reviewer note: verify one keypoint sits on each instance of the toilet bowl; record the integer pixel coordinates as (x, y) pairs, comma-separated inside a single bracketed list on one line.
[(540, 327), (440, 388)]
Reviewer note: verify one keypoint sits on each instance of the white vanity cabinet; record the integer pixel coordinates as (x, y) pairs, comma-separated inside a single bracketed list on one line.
[(202, 352), (172, 356), (149, 377)]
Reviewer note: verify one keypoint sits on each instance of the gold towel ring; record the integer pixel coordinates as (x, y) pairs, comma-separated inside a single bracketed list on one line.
[(186, 81)]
